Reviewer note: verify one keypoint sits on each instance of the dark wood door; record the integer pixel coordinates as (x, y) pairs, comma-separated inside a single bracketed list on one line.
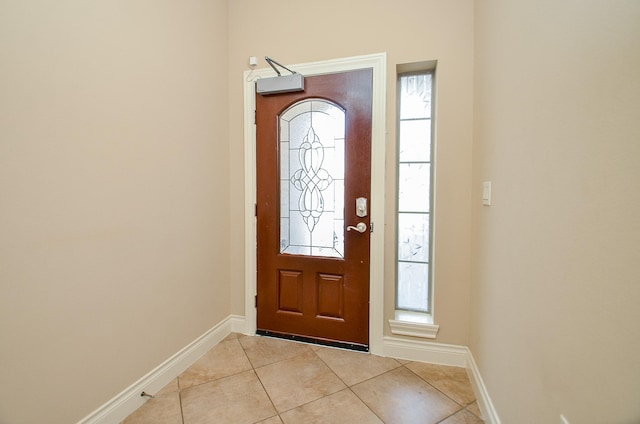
[(313, 163)]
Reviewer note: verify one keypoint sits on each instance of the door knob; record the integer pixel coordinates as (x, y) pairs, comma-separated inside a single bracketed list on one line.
[(361, 227)]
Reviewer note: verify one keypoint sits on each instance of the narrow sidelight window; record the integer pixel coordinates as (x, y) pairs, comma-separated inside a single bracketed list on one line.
[(415, 177)]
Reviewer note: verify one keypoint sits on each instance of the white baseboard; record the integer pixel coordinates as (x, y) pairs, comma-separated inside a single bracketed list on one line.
[(444, 354), (239, 325), (424, 351), (487, 409), (123, 404)]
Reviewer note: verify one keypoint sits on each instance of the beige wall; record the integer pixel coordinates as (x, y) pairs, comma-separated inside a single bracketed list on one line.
[(556, 282), (409, 31), (114, 181)]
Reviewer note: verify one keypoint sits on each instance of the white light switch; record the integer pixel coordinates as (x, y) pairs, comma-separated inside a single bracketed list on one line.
[(486, 193)]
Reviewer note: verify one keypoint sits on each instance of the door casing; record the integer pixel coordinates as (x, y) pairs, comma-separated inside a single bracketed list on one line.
[(376, 294)]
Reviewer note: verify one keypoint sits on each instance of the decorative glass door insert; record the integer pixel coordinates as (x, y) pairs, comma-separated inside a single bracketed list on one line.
[(311, 139)]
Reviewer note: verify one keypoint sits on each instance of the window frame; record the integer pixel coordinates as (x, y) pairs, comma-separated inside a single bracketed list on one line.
[(412, 322)]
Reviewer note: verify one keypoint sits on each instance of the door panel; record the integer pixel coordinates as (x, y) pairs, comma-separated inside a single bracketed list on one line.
[(313, 162)]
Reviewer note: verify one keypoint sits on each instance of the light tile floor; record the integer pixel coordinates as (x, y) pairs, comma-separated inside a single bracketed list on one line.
[(261, 380)]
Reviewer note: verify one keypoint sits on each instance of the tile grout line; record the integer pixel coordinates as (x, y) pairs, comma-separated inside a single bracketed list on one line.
[(346, 386), (440, 391), (180, 398), (471, 412), (218, 378), (253, 368), (306, 403), (366, 404), (315, 352), (462, 406), (350, 387), (456, 413), (376, 376)]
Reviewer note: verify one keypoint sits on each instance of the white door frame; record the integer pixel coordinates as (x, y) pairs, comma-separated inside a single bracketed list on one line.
[(378, 62)]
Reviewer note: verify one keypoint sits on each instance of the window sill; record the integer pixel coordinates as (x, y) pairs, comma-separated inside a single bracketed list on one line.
[(414, 324)]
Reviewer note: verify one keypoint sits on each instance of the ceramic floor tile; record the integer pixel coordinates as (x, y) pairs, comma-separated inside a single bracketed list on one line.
[(172, 387), (463, 417), (452, 381), (231, 336), (263, 351), (340, 407), (296, 381), (399, 396), (272, 420), (475, 409), (239, 399), (162, 409), (225, 359), (355, 367)]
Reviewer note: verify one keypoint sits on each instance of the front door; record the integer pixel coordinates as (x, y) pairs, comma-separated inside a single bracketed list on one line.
[(313, 225)]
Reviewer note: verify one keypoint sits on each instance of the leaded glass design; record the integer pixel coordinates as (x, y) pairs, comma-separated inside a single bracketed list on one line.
[(414, 192), (311, 139)]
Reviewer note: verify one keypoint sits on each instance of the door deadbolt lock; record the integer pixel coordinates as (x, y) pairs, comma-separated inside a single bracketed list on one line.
[(361, 207)]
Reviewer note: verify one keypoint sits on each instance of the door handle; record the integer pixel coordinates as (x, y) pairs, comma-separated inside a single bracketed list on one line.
[(361, 227)]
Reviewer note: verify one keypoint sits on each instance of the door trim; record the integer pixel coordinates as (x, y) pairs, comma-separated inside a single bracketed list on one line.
[(378, 62)]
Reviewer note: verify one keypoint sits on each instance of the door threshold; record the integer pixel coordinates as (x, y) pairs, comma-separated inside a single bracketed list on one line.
[(316, 341)]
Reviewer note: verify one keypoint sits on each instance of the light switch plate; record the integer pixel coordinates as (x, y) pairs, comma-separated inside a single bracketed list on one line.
[(486, 193)]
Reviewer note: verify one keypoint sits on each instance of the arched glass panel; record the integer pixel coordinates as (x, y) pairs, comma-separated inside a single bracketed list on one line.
[(311, 137)]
